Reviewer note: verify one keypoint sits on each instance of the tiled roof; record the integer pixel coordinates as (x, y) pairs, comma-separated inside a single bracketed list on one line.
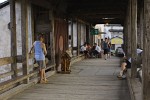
[(3, 4)]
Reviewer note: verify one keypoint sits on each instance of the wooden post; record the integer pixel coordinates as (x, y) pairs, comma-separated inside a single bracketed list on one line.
[(24, 30), (52, 37), (13, 36), (32, 23), (134, 39), (127, 33), (146, 50), (141, 24), (87, 34), (125, 39), (79, 37), (72, 35), (129, 30), (67, 35)]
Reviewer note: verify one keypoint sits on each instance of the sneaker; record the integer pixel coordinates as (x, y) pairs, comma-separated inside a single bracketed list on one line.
[(121, 77), (124, 76)]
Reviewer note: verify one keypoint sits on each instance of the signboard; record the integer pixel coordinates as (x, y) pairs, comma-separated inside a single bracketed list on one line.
[(116, 41), (94, 32)]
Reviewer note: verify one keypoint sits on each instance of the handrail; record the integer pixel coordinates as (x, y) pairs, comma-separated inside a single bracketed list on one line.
[(9, 60), (6, 60), (8, 83), (6, 74)]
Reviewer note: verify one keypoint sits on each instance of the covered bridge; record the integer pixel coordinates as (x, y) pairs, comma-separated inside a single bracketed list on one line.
[(65, 24)]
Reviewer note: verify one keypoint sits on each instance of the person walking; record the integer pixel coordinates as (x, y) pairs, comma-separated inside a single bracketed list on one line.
[(39, 54), (109, 48), (105, 47)]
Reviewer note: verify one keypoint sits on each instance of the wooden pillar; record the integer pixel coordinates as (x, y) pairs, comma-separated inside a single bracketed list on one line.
[(87, 34), (129, 30), (134, 38), (24, 31), (146, 51), (13, 36), (141, 24), (138, 32), (32, 23), (72, 35), (52, 37), (67, 35), (78, 37), (125, 33)]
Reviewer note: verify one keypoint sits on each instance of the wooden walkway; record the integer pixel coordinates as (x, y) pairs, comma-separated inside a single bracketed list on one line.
[(90, 79)]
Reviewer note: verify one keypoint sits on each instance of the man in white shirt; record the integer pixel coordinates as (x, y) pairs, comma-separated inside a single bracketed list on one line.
[(97, 49), (138, 51), (83, 48)]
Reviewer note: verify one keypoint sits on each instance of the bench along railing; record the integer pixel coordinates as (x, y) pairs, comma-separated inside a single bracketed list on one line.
[(14, 81)]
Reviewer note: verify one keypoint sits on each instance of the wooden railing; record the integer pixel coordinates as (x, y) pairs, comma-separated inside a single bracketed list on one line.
[(17, 80), (16, 84), (6, 60)]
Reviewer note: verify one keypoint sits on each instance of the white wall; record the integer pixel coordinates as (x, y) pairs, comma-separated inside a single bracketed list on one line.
[(74, 34), (5, 35), (5, 39)]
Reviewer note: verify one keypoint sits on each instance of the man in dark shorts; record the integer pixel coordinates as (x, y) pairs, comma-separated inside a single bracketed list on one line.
[(39, 54), (105, 47)]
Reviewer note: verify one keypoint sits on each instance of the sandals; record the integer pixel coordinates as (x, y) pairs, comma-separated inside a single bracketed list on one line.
[(43, 81)]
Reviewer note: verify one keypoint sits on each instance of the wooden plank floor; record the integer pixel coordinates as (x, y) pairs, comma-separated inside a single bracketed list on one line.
[(90, 79)]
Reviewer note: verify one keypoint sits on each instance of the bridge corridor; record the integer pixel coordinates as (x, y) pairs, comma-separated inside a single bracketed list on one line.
[(90, 79), (67, 25)]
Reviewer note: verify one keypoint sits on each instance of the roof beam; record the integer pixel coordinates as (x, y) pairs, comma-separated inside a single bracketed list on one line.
[(42, 3)]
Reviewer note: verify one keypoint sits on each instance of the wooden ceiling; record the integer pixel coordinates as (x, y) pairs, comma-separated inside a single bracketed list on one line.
[(91, 11), (98, 11)]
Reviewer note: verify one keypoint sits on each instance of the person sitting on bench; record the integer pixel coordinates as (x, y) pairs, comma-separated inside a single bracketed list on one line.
[(126, 64)]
